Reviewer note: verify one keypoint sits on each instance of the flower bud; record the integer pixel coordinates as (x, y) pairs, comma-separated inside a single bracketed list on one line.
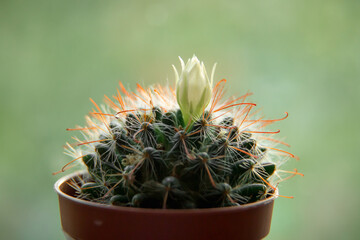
[(193, 88)]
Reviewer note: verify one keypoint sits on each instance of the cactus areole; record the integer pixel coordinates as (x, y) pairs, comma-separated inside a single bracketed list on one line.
[(177, 148)]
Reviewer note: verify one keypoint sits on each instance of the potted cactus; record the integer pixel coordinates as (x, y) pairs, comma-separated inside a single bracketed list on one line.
[(163, 163)]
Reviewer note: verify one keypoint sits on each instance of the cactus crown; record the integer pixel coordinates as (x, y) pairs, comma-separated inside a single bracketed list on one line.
[(140, 152)]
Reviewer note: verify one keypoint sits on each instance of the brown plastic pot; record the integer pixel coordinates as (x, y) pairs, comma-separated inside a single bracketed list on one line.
[(86, 220)]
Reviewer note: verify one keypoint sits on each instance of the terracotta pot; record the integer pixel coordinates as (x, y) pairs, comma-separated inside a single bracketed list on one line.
[(82, 219)]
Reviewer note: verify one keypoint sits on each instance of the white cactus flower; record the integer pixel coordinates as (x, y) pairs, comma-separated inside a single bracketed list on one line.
[(193, 88)]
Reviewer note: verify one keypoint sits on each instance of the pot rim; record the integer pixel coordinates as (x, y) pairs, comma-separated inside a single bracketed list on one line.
[(64, 179)]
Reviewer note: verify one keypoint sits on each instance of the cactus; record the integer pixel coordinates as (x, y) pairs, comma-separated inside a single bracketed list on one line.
[(140, 151)]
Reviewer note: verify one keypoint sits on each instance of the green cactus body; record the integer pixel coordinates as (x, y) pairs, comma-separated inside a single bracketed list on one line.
[(139, 152)]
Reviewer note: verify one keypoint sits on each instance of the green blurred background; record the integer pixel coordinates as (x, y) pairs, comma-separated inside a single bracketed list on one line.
[(297, 56)]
